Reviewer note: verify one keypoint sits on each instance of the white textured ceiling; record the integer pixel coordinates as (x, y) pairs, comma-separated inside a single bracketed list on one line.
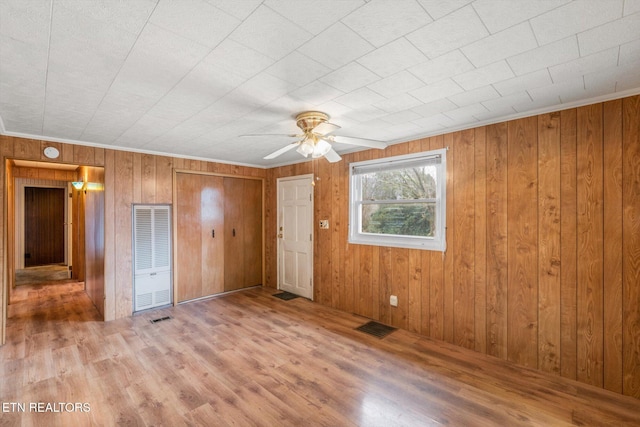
[(187, 77)]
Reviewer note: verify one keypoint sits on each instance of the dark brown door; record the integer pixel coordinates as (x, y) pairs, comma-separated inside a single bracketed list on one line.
[(43, 226)]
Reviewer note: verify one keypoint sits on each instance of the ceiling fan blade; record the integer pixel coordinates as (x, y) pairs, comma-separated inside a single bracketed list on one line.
[(289, 135), (282, 150), (325, 128), (364, 142), (332, 156)]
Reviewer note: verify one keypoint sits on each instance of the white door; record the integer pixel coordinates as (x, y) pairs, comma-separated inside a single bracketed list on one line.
[(295, 235)]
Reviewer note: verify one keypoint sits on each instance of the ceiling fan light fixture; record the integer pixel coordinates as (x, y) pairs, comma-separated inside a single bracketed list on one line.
[(321, 148), (306, 147)]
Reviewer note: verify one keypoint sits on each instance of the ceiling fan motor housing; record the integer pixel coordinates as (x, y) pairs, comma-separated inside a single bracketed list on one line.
[(310, 119)]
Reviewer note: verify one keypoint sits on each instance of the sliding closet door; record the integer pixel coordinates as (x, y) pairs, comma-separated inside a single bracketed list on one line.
[(252, 229), (234, 207), (199, 236), (243, 233)]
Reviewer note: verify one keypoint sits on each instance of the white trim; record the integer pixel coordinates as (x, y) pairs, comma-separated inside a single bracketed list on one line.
[(356, 236)]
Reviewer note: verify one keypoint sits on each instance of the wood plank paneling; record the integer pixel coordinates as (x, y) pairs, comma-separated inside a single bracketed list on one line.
[(449, 260), (83, 155), (549, 242), (110, 262), (480, 241), (252, 232), (399, 286), (522, 234), (613, 256), (26, 149), (337, 288), (631, 245), (463, 251), (123, 188), (386, 277), (322, 287), (137, 177), (568, 243), (497, 254), (414, 291), (188, 242), (590, 245), (164, 180), (148, 178)]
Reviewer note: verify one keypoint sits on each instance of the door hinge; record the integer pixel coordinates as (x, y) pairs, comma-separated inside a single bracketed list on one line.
[(310, 237), (309, 196)]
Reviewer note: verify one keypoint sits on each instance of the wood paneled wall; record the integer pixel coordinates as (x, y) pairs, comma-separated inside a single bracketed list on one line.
[(543, 234), (92, 225), (129, 178)]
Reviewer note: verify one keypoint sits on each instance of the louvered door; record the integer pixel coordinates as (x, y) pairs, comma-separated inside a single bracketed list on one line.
[(152, 256)]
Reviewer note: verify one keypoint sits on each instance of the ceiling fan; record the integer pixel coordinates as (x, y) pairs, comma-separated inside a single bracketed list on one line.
[(316, 138)]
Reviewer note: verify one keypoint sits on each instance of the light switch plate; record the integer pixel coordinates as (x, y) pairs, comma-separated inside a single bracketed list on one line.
[(324, 223)]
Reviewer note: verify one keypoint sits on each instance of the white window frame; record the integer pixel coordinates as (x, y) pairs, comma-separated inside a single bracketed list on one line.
[(357, 169)]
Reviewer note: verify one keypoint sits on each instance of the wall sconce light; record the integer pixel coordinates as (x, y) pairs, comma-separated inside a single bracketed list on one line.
[(77, 185)]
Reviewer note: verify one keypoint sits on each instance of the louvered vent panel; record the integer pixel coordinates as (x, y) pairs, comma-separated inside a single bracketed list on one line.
[(144, 300), (163, 297), (152, 251), (161, 238), (143, 239)]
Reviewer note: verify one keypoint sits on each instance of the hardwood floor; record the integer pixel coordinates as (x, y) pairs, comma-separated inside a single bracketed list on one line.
[(251, 359)]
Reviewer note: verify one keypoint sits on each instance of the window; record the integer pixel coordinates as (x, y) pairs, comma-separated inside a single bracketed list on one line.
[(399, 201)]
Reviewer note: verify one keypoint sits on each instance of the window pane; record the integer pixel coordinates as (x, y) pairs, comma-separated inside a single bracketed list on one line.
[(400, 184), (406, 219)]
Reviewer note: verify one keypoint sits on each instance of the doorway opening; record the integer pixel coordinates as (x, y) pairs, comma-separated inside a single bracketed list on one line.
[(42, 228), (55, 230)]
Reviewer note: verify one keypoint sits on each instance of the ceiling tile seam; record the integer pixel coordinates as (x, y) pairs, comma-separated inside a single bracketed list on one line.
[(453, 11), (199, 135), (425, 10), (602, 25), (287, 19), (535, 36), (275, 60), (489, 33), (180, 81), (376, 48), (120, 69), (46, 74)]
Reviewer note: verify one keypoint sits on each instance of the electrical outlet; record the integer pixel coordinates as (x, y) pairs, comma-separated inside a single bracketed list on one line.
[(324, 223), (393, 300)]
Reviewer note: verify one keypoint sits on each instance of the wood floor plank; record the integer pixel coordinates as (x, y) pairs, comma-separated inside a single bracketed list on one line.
[(248, 358)]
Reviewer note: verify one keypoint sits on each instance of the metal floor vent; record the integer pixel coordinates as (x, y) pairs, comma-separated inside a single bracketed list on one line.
[(160, 319), (286, 296), (376, 329)]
